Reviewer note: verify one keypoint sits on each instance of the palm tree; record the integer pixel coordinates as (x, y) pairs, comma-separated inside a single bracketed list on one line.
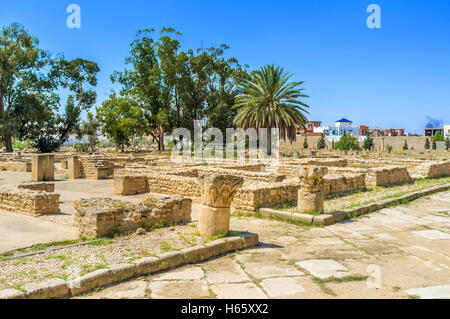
[(270, 101)]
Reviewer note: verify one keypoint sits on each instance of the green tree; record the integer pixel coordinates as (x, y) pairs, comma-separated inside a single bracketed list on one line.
[(433, 145), (405, 146), (427, 144), (321, 144), (368, 142), (122, 119), (389, 148), (305, 142), (438, 136), (447, 143), (22, 79), (271, 101), (89, 128), (346, 143)]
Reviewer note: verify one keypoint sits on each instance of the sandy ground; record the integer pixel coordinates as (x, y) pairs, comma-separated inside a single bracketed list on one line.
[(20, 231)]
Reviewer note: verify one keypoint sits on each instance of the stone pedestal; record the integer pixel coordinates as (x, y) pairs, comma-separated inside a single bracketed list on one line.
[(217, 192), (74, 167), (310, 196), (310, 202), (213, 220), (42, 167)]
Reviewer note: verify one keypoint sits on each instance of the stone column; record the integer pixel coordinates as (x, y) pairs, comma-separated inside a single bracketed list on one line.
[(310, 196), (42, 167), (217, 193), (74, 167)]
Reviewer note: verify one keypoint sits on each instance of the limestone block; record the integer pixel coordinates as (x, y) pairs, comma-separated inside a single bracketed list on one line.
[(50, 288), (74, 167), (42, 167), (310, 202), (213, 220)]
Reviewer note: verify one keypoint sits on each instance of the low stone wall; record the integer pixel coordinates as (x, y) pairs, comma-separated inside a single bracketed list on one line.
[(15, 166), (253, 196), (98, 217), (29, 202), (171, 184), (247, 175), (386, 176), (343, 183), (431, 170), (45, 187), (130, 185)]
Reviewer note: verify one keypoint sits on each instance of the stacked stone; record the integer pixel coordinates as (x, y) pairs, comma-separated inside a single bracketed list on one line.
[(431, 170), (42, 167), (386, 176), (98, 217), (217, 193), (310, 196), (247, 175), (29, 202), (15, 166), (255, 195), (343, 183), (130, 185), (171, 184), (39, 186)]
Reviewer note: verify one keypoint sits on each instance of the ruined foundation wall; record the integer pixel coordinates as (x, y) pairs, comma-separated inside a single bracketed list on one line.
[(386, 176), (45, 187), (171, 184), (431, 170), (15, 166), (98, 217), (29, 202), (334, 184)]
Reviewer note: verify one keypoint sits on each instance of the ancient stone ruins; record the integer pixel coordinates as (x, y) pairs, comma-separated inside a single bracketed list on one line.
[(220, 188)]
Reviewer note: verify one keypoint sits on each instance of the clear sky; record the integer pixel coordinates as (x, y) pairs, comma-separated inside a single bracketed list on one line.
[(393, 77)]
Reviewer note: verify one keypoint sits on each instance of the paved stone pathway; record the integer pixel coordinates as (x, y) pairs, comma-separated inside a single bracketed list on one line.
[(405, 251)]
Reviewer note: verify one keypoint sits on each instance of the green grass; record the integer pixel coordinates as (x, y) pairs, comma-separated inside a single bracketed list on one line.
[(341, 279)]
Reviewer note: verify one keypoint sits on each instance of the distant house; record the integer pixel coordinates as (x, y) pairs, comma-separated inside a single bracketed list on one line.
[(433, 131), (341, 127), (309, 130)]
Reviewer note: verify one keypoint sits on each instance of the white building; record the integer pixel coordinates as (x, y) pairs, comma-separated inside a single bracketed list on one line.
[(447, 130), (341, 127)]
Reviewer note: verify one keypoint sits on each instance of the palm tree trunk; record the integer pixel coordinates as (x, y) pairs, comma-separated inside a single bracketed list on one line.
[(269, 141)]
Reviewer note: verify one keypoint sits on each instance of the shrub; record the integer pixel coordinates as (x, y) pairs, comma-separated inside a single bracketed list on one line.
[(346, 143), (368, 142), (389, 148), (20, 145), (405, 146), (438, 136), (434, 146), (427, 144), (321, 144), (81, 147)]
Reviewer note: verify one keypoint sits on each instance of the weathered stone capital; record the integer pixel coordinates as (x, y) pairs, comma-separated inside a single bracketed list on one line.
[(219, 190), (311, 177)]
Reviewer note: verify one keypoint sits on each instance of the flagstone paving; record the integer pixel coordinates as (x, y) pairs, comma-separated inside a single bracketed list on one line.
[(398, 252)]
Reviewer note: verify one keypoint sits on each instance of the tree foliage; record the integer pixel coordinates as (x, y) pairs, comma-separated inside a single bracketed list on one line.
[(346, 143), (175, 87), (271, 101), (29, 79), (427, 144), (321, 144), (123, 119), (368, 142)]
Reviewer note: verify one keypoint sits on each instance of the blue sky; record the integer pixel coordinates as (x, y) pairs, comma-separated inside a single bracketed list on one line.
[(393, 77)]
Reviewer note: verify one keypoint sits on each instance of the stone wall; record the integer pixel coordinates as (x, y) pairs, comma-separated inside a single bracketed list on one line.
[(171, 184), (386, 176), (253, 196), (15, 166), (130, 185), (29, 202), (39, 186), (98, 217), (431, 170), (334, 184)]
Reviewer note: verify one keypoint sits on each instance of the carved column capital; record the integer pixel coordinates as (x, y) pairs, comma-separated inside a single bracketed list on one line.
[(219, 190)]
